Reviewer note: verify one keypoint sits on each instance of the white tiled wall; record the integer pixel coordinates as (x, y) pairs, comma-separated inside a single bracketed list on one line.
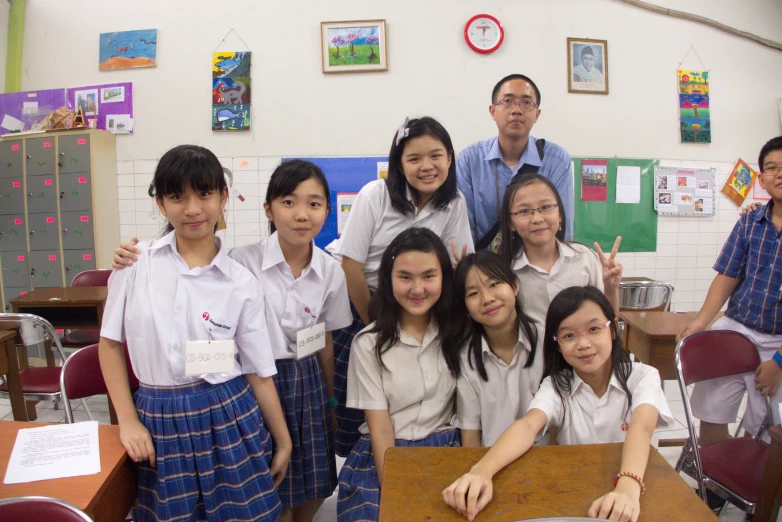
[(686, 246)]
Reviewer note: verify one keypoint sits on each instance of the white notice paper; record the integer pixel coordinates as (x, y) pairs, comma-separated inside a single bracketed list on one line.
[(52, 452), (12, 124), (344, 204), (628, 184)]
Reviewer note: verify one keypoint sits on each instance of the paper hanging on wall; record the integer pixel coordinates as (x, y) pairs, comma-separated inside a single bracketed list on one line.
[(231, 91), (128, 49), (345, 202), (12, 124), (119, 123), (739, 182), (382, 169), (628, 184), (694, 110), (594, 180)]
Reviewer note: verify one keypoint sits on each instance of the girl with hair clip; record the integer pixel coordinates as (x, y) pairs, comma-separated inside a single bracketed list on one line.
[(533, 228), (197, 430), (308, 290), (501, 364), (593, 394), (420, 191), (404, 366)]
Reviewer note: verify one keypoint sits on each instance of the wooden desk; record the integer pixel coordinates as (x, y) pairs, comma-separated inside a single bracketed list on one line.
[(547, 481), (74, 307), (9, 366), (106, 496)]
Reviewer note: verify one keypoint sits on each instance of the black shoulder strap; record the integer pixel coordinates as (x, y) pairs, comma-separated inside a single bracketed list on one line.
[(539, 144)]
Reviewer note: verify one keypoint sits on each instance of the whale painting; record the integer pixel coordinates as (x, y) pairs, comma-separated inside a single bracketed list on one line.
[(231, 84), (230, 117)]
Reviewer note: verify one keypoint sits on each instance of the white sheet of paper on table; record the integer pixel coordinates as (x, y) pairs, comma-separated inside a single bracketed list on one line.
[(628, 184), (52, 452)]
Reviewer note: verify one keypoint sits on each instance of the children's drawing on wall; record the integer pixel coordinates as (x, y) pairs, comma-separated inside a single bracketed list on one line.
[(594, 180), (228, 64), (112, 95), (231, 91), (128, 49), (739, 182), (694, 117), (353, 46), (230, 117), (88, 101)]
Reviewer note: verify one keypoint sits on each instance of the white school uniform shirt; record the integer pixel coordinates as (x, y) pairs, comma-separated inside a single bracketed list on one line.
[(159, 304), (416, 386), (319, 295), (577, 265), (592, 420), (492, 406), (374, 223)]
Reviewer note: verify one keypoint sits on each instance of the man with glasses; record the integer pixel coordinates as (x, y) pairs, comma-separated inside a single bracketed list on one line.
[(484, 168)]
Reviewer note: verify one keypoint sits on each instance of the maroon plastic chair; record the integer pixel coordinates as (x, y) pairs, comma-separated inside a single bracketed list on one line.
[(81, 377), (80, 338), (733, 468), (37, 509)]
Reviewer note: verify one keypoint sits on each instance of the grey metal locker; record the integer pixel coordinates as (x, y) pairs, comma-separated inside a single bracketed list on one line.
[(11, 196), (75, 191), (74, 153), (13, 233), (40, 156), (16, 269), (11, 159), (43, 231), (41, 194), (45, 269), (77, 261), (10, 293), (77, 230)]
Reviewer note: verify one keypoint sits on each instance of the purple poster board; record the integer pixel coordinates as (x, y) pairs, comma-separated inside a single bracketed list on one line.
[(22, 105)]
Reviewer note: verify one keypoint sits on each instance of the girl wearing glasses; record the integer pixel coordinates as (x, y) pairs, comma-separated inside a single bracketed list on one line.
[(533, 230), (593, 394)]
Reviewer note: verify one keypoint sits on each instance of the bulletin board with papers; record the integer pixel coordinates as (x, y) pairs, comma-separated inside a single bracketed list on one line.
[(684, 192)]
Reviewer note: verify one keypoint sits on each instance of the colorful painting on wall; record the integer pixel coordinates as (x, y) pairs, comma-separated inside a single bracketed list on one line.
[(739, 182), (694, 117), (231, 91), (594, 180), (128, 49), (354, 46)]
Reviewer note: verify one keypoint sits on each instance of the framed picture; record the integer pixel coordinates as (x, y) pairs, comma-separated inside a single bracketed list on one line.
[(587, 66), (354, 46)]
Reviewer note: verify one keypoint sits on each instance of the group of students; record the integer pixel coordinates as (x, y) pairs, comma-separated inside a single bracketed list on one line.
[(417, 353)]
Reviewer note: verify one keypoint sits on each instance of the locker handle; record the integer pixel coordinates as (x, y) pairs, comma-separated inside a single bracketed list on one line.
[(64, 230), (67, 269), (62, 154), (62, 194), (29, 157), (32, 232)]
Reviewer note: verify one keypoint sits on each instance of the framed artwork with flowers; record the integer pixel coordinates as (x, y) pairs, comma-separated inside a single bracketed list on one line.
[(354, 46)]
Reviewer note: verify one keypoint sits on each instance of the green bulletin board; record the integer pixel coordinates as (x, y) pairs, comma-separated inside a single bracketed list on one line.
[(602, 221)]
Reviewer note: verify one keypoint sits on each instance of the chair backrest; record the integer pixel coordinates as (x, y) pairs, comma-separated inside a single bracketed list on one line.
[(714, 353), (29, 336), (81, 377), (92, 278), (645, 295), (35, 509)]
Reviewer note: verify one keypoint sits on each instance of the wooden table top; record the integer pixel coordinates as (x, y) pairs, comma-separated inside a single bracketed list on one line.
[(547, 481), (85, 492), (75, 295)]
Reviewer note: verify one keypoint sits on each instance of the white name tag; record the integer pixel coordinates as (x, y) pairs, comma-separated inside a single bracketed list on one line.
[(310, 340), (205, 357)]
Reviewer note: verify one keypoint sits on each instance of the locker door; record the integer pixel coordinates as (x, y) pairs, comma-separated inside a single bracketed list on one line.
[(41, 194), (40, 156), (45, 269), (75, 192), (43, 231), (13, 233), (77, 261), (16, 269), (74, 153), (11, 159), (77, 231), (11, 196), (10, 293)]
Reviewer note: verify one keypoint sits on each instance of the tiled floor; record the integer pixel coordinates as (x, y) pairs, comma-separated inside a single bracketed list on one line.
[(99, 407)]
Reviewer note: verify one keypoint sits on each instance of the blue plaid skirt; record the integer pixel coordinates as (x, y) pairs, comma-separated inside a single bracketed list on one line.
[(312, 472), (213, 453), (359, 489), (348, 419)]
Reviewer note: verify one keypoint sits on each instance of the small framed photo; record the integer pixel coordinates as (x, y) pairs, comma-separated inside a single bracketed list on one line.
[(587, 66), (354, 46)]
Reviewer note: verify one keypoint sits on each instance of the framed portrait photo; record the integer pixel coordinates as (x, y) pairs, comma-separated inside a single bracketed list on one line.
[(353, 46), (587, 66)]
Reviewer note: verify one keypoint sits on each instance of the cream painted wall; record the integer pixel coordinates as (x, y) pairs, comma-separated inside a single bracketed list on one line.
[(300, 111), (5, 8)]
